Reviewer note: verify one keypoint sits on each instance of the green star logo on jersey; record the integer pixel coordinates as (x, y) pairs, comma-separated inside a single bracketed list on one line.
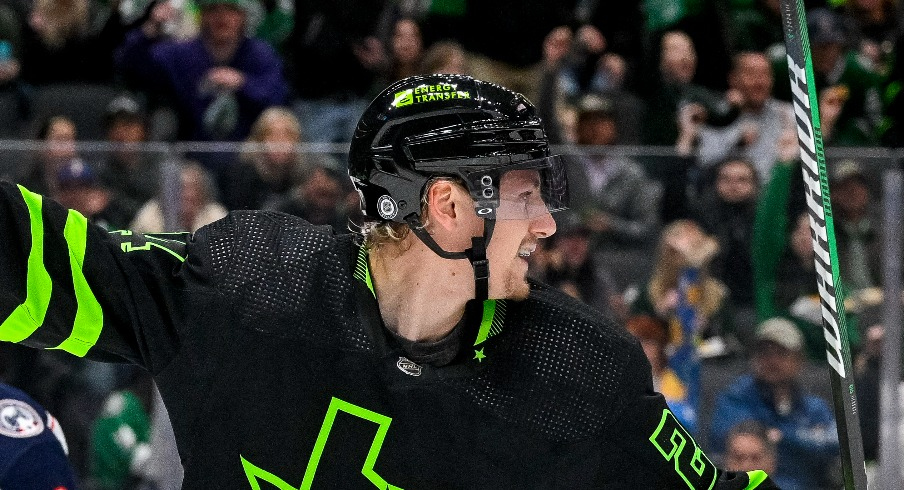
[(479, 355), (256, 474)]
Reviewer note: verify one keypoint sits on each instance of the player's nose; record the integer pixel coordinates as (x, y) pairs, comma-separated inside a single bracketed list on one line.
[(543, 225)]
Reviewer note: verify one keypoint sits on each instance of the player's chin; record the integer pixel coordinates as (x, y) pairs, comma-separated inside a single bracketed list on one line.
[(516, 288)]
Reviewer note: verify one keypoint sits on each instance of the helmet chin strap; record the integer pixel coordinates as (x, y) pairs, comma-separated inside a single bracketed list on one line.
[(477, 254)]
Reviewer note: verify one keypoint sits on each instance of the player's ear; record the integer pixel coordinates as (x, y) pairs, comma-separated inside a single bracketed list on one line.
[(444, 204)]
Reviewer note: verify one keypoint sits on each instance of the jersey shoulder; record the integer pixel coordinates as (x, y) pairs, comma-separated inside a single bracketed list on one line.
[(276, 269)]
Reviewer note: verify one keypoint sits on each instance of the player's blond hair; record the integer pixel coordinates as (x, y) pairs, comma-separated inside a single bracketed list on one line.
[(381, 233)]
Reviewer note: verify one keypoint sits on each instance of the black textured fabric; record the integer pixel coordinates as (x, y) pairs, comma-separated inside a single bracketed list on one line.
[(275, 367)]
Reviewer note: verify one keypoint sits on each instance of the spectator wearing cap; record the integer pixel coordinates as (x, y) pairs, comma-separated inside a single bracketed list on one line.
[(81, 190), (799, 423), (129, 169), (849, 101), (218, 82), (611, 193)]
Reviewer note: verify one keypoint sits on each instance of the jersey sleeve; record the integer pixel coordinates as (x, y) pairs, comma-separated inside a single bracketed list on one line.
[(67, 284), (657, 441)]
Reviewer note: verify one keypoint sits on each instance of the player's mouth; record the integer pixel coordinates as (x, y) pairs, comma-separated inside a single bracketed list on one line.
[(524, 252)]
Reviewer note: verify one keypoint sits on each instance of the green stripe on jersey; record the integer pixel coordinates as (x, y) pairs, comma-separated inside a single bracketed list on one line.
[(28, 316), (89, 316), (755, 478), (362, 270)]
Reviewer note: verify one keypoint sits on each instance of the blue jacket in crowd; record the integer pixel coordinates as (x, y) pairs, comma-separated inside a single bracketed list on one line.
[(809, 439)]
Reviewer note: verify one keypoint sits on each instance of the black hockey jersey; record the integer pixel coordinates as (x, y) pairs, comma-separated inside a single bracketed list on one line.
[(265, 338)]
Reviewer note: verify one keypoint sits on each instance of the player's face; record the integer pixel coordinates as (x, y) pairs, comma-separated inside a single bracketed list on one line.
[(514, 240)]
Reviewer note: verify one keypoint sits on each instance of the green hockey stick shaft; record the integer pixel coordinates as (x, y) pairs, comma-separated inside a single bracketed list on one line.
[(822, 228)]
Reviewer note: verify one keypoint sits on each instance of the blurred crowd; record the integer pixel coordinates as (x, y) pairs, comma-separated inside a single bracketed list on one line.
[(701, 248)]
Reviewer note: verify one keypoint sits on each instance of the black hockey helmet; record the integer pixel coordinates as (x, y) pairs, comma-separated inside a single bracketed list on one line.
[(448, 125)]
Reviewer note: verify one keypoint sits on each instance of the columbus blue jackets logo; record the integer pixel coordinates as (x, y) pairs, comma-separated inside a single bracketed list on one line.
[(18, 419)]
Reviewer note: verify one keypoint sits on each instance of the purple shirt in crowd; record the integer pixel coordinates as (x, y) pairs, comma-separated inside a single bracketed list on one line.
[(179, 68)]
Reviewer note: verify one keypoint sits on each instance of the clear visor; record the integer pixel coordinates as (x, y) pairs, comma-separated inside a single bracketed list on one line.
[(524, 190)]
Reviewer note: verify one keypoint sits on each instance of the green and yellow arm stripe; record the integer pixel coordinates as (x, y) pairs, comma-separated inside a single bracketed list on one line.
[(29, 316)]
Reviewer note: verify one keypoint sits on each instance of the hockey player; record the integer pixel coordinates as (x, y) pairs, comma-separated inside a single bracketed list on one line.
[(414, 355), (32, 446)]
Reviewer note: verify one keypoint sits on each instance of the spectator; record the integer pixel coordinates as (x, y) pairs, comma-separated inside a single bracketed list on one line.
[(682, 293), (856, 227), (612, 193), (444, 57), (269, 165), (754, 134), (681, 393), (578, 64), (701, 23), (552, 94), (13, 98), (590, 67), (755, 26), (853, 116), (618, 202), (891, 132), (32, 445), (120, 437), (63, 43), (504, 40), (197, 206), (675, 92), (748, 448), (321, 198), (218, 82), (783, 267), (676, 107), (567, 262), (406, 52), (800, 424), (727, 211), (874, 25), (129, 169), (335, 59), (58, 135), (620, 25), (79, 189)]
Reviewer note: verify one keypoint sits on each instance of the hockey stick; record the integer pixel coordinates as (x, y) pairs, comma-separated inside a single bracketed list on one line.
[(822, 229)]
